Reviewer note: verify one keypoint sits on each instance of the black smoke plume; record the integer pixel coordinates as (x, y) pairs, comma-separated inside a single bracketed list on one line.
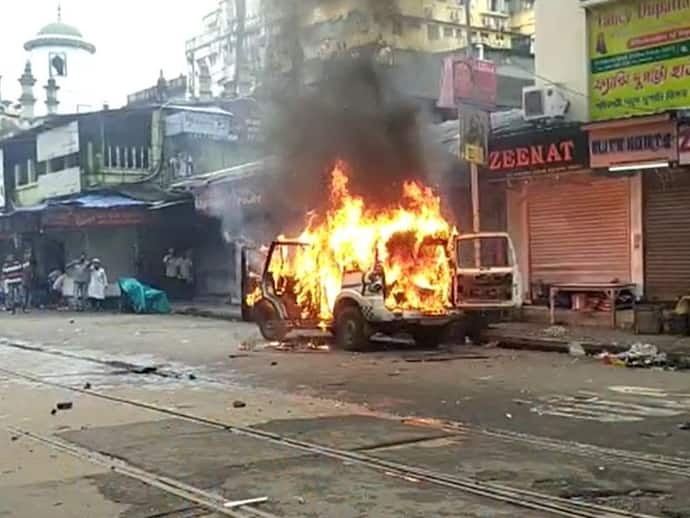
[(353, 115)]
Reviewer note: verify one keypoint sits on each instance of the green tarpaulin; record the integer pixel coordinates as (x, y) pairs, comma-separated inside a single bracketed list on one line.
[(141, 298)]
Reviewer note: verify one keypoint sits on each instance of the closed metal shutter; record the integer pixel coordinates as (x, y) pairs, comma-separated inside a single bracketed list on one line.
[(667, 234), (579, 230)]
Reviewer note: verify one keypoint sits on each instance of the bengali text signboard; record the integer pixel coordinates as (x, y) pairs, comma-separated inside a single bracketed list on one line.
[(639, 53)]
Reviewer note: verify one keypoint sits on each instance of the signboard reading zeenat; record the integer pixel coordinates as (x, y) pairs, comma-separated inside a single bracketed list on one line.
[(639, 53)]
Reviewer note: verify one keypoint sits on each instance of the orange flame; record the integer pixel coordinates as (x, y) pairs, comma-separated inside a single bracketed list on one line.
[(410, 243)]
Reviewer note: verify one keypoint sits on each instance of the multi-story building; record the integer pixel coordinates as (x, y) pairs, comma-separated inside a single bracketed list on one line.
[(212, 55), (609, 209), (279, 34)]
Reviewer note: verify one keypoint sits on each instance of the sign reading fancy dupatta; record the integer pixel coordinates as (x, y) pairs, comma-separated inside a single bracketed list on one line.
[(549, 150), (639, 53)]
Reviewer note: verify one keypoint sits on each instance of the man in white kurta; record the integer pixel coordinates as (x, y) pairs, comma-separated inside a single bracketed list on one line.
[(98, 284)]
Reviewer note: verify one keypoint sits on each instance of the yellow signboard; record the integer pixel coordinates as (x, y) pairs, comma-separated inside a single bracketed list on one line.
[(639, 54)]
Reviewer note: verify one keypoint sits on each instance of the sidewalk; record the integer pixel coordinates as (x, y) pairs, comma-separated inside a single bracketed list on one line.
[(594, 340), (231, 312)]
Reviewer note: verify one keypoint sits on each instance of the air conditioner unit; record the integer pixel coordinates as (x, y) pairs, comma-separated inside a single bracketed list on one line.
[(543, 102)]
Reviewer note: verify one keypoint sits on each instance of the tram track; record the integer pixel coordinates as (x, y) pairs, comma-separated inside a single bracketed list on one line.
[(492, 491)]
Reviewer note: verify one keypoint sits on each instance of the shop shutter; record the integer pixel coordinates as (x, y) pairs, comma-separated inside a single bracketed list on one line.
[(667, 235), (580, 230)]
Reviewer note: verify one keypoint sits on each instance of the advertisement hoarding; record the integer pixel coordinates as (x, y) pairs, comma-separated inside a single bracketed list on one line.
[(639, 55)]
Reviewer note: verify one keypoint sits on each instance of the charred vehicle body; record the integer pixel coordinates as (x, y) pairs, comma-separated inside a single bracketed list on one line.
[(478, 275)]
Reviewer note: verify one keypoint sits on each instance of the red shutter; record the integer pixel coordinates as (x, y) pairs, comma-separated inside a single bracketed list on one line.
[(579, 230)]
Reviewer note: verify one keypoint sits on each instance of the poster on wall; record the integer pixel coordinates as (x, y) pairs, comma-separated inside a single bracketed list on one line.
[(58, 142), (474, 134), (639, 54)]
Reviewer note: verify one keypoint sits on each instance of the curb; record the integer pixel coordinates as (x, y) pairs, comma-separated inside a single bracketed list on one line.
[(533, 343), (205, 313)]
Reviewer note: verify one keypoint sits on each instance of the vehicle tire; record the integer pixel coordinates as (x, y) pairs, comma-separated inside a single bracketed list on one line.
[(247, 313), (429, 337), (352, 331), (265, 316)]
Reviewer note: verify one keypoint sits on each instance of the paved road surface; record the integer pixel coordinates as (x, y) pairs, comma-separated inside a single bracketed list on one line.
[(492, 426)]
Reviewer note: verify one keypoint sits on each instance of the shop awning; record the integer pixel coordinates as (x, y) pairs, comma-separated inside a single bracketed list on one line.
[(100, 201)]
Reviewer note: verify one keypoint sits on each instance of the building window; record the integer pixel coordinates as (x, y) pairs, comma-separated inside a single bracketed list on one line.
[(21, 174), (447, 32), (41, 169), (433, 31), (72, 161)]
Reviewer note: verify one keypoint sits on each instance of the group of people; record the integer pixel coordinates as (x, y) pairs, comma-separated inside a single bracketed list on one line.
[(179, 274), (90, 282), (19, 282)]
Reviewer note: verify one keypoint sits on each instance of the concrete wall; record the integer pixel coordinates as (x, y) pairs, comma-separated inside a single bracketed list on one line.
[(561, 51)]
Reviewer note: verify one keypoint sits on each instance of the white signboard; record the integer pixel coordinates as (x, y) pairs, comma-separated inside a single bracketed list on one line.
[(60, 183), (2, 180), (210, 125), (58, 142)]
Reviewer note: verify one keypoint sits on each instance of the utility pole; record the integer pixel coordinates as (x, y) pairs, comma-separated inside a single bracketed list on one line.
[(474, 170)]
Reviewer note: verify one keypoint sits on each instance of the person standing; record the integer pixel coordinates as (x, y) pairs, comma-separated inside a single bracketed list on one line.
[(98, 284), (12, 277), (28, 280), (186, 275), (171, 265), (81, 274)]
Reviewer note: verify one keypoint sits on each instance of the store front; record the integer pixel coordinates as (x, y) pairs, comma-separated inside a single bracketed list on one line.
[(644, 150), (570, 224), (667, 227)]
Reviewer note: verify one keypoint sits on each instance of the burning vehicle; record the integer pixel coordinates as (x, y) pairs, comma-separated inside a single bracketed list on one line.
[(357, 271)]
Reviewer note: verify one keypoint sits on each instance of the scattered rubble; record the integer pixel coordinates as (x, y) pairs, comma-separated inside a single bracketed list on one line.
[(638, 356), (555, 331), (576, 349)]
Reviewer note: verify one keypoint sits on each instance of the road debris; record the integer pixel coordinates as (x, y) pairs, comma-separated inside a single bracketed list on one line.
[(509, 416), (638, 356), (65, 405), (555, 331), (242, 503), (576, 349), (239, 404), (274, 363)]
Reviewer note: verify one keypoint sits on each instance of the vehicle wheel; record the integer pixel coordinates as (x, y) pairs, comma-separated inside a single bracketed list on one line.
[(352, 331), (266, 318), (429, 337), (247, 313)]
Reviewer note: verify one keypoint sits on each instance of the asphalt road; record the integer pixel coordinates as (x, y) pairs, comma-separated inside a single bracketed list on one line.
[(568, 431)]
